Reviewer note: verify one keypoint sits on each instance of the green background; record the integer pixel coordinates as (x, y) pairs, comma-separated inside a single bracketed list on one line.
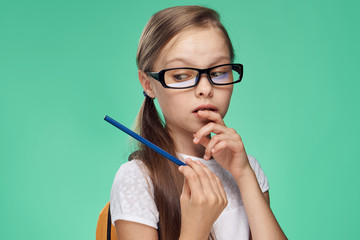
[(65, 64)]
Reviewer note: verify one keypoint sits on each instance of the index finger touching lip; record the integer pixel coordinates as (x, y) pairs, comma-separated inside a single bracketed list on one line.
[(212, 116)]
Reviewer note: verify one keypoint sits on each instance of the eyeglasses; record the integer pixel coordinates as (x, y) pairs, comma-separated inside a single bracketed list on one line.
[(180, 78)]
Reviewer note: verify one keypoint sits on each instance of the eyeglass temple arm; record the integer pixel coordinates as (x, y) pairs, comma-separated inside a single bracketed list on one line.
[(153, 75)]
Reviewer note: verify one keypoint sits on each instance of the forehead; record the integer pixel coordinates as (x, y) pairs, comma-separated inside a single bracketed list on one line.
[(194, 47)]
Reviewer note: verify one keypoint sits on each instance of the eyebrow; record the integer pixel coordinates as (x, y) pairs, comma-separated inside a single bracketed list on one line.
[(183, 60)]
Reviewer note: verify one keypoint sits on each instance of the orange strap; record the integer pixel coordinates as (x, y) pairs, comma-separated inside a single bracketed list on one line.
[(104, 229)]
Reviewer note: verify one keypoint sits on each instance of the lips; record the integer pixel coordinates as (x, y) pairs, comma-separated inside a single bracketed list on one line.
[(208, 107)]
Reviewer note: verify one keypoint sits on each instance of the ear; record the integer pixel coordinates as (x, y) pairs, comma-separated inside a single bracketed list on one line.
[(146, 84)]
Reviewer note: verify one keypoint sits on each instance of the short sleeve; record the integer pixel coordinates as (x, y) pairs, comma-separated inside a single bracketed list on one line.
[(132, 197), (262, 180)]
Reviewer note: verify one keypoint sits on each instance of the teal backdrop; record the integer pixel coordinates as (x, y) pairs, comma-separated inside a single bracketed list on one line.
[(64, 65)]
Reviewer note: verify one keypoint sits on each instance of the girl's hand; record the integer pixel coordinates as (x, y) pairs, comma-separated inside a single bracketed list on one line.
[(202, 200), (226, 146)]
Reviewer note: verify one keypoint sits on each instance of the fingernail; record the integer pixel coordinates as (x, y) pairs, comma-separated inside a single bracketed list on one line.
[(195, 140)]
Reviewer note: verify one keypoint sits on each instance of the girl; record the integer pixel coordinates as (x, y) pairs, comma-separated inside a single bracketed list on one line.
[(185, 61)]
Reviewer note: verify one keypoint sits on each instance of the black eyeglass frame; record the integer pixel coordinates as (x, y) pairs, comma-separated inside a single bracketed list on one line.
[(159, 76)]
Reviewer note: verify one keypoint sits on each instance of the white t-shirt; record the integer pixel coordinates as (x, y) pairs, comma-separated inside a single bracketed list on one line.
[(132, 198)]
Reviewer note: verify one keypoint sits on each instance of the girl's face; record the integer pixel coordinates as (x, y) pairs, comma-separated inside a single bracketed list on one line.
[(198, 48)]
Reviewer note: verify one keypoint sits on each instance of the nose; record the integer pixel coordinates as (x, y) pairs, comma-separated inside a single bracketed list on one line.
[(204, 88)]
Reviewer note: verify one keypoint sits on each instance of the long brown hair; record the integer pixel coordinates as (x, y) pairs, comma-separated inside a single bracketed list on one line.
[(165, 177)]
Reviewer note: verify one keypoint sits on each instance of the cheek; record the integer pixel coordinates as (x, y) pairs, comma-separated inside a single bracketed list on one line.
[(171, 101), (170, 104), (226, 97)]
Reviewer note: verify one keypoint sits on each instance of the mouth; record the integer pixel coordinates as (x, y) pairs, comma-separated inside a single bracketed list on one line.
[(205, 107)]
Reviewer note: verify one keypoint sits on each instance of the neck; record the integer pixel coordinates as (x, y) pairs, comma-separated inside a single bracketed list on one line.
[(183, 142)]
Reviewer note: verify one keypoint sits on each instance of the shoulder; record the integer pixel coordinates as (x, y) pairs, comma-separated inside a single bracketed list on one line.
[(134, 168), (132, 173), (131, 197)]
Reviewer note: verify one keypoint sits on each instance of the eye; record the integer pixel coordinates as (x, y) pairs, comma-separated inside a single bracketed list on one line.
[(181, 77), (217, 74)]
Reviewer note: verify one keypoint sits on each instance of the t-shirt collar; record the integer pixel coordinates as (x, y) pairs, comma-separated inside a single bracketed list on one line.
[(183, 156)]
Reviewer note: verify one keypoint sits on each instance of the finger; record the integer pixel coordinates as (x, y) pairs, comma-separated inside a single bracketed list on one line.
[(212, 116), (204, 141), (222, 190), (215, 140), (192, 177), (213, 180), (209, 146), (202, 176), (207, 129), (229, 144)]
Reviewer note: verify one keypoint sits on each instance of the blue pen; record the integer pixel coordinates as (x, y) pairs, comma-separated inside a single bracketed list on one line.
[(144, 141)]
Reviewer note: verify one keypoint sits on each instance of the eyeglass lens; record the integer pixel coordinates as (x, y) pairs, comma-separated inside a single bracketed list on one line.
[(179, 78)]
